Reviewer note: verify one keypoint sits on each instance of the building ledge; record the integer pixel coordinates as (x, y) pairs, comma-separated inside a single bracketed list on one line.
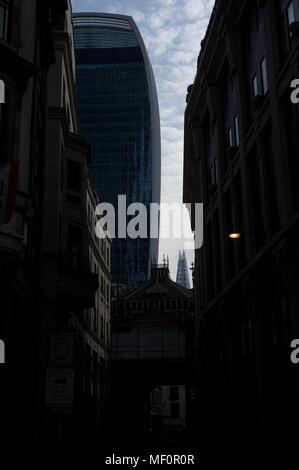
[(11, 246), (15, 64)]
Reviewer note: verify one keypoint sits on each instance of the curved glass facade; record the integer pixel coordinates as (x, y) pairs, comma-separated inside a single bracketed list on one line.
[(119, 116)]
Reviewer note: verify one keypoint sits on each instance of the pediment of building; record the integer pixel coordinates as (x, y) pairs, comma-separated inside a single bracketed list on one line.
[(156, 289)]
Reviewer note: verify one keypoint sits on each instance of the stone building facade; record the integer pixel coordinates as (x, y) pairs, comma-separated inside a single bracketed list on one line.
[(26, 51), (54, 377), (241, 161), (97, 320), (75, 265)]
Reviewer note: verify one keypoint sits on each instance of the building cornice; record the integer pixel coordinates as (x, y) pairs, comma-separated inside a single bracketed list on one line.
[(14, 64)]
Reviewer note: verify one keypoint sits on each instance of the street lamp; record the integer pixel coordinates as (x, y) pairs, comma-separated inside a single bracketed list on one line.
[(235, 235)]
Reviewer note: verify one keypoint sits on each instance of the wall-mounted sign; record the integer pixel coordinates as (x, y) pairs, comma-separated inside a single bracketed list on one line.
[(61, 349), (60, 390)]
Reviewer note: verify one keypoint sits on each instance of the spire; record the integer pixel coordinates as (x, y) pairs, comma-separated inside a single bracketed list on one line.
[(182, 276)]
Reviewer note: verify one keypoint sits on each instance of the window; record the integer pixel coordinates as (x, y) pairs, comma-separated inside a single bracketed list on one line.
[(211, 175), (2, 121), (107, 333), (102, 327), (95, 318), (58, 20), (2, 92), (216, 171), (62, 174), (247, 339), (5, 129), (64, 95), (74, 176), (257, 17), (291, 13), (255, 90), (174, 410), (232, 82), (68, 115), (156, 397), (173, 393), (290, 16), (236, 123), (4, 19), (74, 248), (88, 215), (264, 76), (60, 233), (230, 137)]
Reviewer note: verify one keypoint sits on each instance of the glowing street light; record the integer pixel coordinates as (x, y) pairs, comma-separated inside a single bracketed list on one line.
[(235, 235)]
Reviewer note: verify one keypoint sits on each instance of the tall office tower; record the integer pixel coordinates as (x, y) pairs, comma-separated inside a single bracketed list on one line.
[(182, 276), (119, 117)]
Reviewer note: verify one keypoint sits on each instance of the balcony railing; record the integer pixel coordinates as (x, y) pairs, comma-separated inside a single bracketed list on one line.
[(5, 6)]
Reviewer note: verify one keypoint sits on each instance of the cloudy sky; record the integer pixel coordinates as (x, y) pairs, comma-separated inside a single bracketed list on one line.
[(172, 31)]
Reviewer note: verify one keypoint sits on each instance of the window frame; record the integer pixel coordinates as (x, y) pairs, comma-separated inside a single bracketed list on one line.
[(264, 76), (290, 4), (5, 7), (288, 19), (175, 411), (236, 129), (230, 136), (255, 85), (74, 176)]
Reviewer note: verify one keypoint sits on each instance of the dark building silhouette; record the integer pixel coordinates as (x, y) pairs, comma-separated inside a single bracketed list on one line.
[(54, 272), (241, 160), (119, 116), (75, 268), (26, 52), (182, 276), (152, 351)]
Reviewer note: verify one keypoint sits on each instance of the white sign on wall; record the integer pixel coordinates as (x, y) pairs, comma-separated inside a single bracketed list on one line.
[(60, 390)]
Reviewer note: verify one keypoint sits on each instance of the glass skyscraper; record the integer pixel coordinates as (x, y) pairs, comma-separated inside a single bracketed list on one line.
[(119, 116)]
